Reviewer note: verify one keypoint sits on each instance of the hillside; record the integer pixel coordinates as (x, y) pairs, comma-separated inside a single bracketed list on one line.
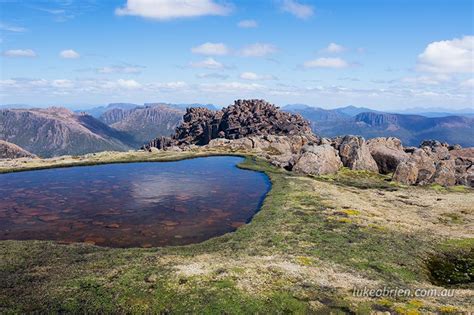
[(58, 131), (144, 123), (12, 151), (411, 129)]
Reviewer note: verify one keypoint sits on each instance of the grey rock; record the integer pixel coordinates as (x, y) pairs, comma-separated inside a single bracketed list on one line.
[(355, 154), (318, 160)]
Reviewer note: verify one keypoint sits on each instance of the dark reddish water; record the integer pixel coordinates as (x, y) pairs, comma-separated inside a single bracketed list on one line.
[(131, 204)]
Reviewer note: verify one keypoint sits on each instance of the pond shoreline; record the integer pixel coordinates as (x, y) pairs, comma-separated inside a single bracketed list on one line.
[(139, 204), (27, 164)]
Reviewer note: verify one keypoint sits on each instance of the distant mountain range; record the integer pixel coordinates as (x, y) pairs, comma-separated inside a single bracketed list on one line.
[(122, 126), (59, 131), (98, 111), (56, 131), (144, 123), (411, 129)]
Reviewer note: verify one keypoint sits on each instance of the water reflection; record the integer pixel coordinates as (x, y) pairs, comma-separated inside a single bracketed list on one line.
[(126, 205)]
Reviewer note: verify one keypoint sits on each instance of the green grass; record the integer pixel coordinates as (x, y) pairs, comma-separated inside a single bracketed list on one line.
[(294, 223)]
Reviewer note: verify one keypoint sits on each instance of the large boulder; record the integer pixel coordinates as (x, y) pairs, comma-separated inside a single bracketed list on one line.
[(355, 153), (318, 160), (387, 153), (436, 149), (464, 171), (418, 169), (445, 173)]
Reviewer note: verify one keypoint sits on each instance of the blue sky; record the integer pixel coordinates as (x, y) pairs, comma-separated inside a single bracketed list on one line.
[(381, 54)]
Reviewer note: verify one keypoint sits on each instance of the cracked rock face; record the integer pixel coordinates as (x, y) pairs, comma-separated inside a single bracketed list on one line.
[(355, 153)]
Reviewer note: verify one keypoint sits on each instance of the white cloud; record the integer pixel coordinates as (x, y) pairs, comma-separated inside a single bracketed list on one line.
[(299, 10), (174, 85), (12, 28), (334, 48), (212, 75), (258, 50), (252, 76), (469, 83), (120, 69), (336, 63), (62, 84), (247, 24), (211, 49), (128, 84), (208, 63), (427, 80), (449, 56), (171, 9), (69, 54), (230, 87), (19, 53)]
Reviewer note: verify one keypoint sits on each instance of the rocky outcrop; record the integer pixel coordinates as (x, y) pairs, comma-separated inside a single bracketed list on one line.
[(435, 163), (244, 118), (12, 151), (286, 141), (355, 153), (388, 153), (318, 160)]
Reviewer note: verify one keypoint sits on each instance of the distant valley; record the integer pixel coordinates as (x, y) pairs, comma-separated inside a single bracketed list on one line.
[(411, 129)]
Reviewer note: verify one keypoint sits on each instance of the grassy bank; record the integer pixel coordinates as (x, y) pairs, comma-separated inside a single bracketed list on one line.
[(312, 243), (107, 157)]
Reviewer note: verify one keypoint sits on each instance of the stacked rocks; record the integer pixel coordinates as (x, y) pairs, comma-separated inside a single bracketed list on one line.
[(243, 119)]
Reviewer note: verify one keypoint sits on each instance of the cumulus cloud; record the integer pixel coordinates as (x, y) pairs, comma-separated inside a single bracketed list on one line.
[(19, 53), (299, 10), (12, 28), (251, 76), (334, 48), (258, 50), (247, 24), (69, 54), (211, 49), (171, 9), (448, 56), (335, 63), (208, 63), (120, 69)]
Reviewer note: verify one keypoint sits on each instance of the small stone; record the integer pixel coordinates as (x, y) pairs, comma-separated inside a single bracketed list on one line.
[(151, 278)]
